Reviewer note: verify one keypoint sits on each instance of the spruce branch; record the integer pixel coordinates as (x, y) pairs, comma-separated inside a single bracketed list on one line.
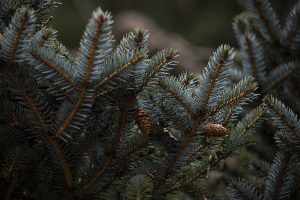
[(33, 105), (214, 76), (279, 74), (28, 94), (136, 40), (57, 71), (158, 65), (112, 149), (94, 46), (135, 144), (229, 114), (243, 90), (111, 123), (17, 111), (291, 30), (242, 189), (210, 82), (286, 141), (96, 176), (45, 37), (266, 19), (281, 176), (243, 24), (117, 65), (253, 57), (238, 137), (178, 92), (73, 114), (175, 115), (141, 39), (248, 122), (16, 35), (139, 187), (284, 117)]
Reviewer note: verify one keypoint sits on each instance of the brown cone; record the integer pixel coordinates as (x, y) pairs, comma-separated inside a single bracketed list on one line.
[(214, 130), (144, 121)]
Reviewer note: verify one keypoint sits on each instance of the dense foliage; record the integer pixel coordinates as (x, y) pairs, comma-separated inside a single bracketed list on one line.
[(269, 51), (111, 123)]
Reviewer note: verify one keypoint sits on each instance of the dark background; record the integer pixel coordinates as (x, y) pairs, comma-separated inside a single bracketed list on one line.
[(201, 22)]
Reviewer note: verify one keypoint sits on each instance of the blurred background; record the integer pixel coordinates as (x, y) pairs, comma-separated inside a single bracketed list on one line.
[(194, 27)]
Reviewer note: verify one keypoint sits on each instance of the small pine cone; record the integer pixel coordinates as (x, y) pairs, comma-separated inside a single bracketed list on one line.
[(144, 121), (214, 130)]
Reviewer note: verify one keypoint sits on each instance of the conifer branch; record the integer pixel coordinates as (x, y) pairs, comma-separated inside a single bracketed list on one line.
[(63, 162), (291, 29), (133, 61), (99, 23), (228, 115), (18, 35), (92, 49), (96, 176), (218, 66), (280, 73), (234, 94), (253, 57), (248, 121), (280, 178), (114, 145), (106, 92), (173, 87), (284, 117), (158, 62), (241, 189), (122, 124), (215, 74), (183, 145), (59, 154), (71, 114), (125, 109), (94, 46), (139, 39), (242, 24), (126, 152), (20, 28), (266, 18), (29, 99), (180, 121), (54, 66)]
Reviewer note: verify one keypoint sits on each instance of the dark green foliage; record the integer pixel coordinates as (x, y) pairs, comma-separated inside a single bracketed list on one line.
[(241, 189), (269, 51), (40, 7), (110, 123)]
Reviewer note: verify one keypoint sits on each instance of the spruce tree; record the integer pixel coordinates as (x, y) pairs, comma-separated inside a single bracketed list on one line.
[(110, 122)]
